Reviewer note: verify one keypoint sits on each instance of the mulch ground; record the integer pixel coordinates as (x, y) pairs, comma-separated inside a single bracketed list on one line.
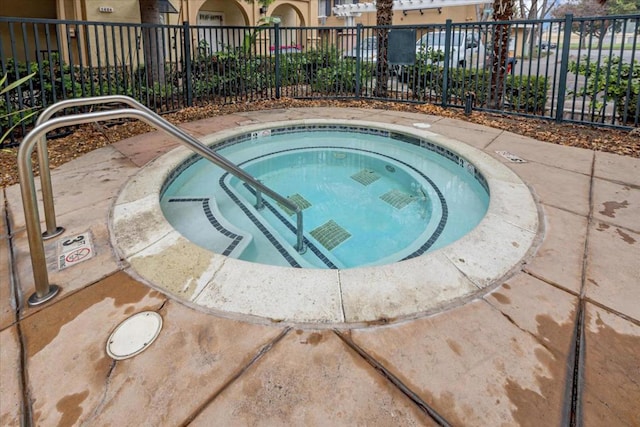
[(92, 136)]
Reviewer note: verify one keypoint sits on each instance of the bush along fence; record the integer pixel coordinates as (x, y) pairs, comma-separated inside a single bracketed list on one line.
[(573, 69)]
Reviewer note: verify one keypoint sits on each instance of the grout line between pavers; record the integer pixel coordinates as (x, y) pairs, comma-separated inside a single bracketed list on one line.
[(617, 182), (577, 383), (611, 224), (211, 281), (414, 397), (15, 293), (550, 283), (264, 350), (26, 411), (612, 311), (342, 312), (564, 209), (486, 147), (514, 323)]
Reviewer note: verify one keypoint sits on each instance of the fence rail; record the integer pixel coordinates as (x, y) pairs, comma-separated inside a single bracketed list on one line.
[(579, 70)]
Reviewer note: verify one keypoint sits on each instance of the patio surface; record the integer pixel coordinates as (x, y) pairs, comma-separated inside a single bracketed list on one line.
[(557, 343)]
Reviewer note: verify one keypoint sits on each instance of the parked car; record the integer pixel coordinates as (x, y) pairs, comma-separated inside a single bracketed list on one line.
[(547, 45), (466, 46), (510, 62), (367, 51)]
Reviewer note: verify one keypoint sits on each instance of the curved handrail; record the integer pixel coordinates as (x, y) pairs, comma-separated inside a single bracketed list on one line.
[(44, 291), (43, 157)]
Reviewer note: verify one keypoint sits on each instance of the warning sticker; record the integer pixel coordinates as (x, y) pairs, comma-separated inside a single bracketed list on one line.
[(75, 249)]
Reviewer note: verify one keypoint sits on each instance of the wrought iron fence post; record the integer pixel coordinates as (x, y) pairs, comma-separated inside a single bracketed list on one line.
[(186, 40), (447, 54), (358, 60), (564, 67), (277, 59)]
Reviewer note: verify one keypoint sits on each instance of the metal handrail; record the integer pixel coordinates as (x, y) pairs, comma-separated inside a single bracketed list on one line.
[(43, 157), (45, 291)]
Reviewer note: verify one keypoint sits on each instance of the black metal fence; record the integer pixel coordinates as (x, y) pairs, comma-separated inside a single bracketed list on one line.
[(573, 69)]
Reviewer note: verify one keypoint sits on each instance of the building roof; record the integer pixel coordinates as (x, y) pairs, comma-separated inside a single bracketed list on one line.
[(357, 8)]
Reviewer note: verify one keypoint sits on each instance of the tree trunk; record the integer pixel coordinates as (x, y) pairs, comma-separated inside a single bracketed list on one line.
[(502, 11), (152, 42), (384, 17)]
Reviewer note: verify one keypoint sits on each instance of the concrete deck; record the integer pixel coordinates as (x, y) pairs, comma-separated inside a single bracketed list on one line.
[(557, 343)]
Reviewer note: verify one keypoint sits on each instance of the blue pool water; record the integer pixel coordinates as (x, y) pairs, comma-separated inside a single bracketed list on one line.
[(367, 199)]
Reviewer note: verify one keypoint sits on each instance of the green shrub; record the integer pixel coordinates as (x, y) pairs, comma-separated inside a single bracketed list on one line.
[(522, 93), (612, 80), (527, 93), (230, 72), (317, 59), (425, 77), (291, 69), (53, 81), (341, 78)]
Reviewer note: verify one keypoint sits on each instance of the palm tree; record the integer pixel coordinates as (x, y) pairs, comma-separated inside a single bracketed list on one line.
[(502, 11), (152, 41), (384, 18)]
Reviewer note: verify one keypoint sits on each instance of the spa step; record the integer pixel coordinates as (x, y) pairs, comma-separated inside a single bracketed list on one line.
[(221, 236)]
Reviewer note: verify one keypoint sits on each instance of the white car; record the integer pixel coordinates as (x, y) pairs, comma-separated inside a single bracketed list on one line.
[(466, 47), (367, 51)]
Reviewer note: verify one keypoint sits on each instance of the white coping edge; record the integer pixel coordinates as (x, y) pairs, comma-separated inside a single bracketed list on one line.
[(447, 277)]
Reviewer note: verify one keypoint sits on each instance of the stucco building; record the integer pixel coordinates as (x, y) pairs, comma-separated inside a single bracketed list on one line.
[(84, 42)]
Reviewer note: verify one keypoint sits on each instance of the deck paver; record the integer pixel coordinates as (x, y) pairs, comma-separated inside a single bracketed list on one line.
[(475, 366), (613, 270), (101, 263), (141, 149), (544, 311), (194, 355), (78, 184), (611, 389), (560, 257), (211, 125), (11, 411), (312, 378), (333, 112), (7, 303), (616, 204), (276, 115), (617, 168), (477, 136), (556, 187), (404, 118), (559, 156)]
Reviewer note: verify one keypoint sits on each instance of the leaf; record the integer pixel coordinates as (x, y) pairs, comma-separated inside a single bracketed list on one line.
[(14, 84), (4, 136)]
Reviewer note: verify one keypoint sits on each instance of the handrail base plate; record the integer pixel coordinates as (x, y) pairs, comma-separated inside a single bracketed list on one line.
[(35, 300), (46, 235)]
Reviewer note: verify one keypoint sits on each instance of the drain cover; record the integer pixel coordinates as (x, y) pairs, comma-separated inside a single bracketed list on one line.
[(300, 201), (398, 199), (511, 157), (330, 234), (366, 177), (134, 335)]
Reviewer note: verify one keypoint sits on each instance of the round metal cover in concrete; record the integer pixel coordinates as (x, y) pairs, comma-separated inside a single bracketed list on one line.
[(134, 335)]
